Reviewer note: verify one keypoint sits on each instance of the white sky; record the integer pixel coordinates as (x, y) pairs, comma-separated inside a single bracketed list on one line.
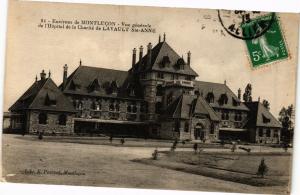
[(214, 57)]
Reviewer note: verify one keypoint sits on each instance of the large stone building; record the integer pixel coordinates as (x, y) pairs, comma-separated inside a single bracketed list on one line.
[(157, 97)]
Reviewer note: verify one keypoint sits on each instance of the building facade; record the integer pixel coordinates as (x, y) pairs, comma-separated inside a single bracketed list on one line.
[(158, 97)]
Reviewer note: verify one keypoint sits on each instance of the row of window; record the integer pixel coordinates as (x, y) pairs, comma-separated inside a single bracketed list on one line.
[(113, 106), (268, 132), (225, 116), (43, 119)]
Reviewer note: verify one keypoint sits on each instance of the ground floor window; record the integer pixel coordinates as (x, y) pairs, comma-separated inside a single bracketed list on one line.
[(212, 128), (260, 132), (275, 133), (62, 119), (43, 118), (268, 134)]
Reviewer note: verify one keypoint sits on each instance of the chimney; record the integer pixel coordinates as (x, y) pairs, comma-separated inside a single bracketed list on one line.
[(36, 78), (43, 75), (258, 98), (80, 62), (49, 74), (149, 54), (133, 57), (65, 75), (239, 93), (159, 38), (141, 53), (224, 82), (164, 37), (189, 58)]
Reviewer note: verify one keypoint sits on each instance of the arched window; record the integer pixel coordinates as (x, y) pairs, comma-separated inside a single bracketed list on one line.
[(62, 119), (43, 118), (210, 97)]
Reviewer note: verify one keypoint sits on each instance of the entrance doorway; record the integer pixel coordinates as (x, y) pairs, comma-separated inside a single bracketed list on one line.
[(199, 132)]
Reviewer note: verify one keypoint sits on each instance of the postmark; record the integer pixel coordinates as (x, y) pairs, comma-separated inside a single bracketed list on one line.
[(232, 22), (261, 32)]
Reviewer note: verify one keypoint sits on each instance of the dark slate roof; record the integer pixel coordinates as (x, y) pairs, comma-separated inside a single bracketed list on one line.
[(186, 105), (218, 89), (158, 52), (36, 96), (202, 107), (84, 77), (258, 114)]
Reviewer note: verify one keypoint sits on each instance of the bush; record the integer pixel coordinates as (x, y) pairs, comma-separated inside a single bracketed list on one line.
[(262, 168)]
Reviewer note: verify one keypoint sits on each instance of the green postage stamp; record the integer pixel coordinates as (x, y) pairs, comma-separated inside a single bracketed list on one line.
[(269, 46)]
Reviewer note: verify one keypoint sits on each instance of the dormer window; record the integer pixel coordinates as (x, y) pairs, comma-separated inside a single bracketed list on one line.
[(114, 87), (265, 119), (73, 85), (223, 99), (165, 62), (180, 63), (50, 99), (210, 98), (94, 86), (235, 102)]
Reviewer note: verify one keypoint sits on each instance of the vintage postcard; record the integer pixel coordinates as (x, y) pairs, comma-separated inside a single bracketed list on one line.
[(149, 97)]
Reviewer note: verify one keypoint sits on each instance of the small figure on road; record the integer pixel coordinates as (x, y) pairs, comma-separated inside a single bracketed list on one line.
[(122, 141), (233, 148), (110, 138), (195, 147), (155, 154)]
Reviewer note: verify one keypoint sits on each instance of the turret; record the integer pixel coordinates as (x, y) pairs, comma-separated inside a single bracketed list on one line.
[(133, 57), (149, 54), (65, 75), (189, 58), (43, 75), (239, 93)]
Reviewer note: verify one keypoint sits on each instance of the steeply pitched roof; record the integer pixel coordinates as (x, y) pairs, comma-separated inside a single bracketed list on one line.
[(186, 105), (218, 90), (158, 53), (260, 116), (39, 93), (84, 77), (202, 107), (26, 99)]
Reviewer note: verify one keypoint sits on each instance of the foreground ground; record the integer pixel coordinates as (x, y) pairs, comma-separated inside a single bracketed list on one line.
[(29, 160)]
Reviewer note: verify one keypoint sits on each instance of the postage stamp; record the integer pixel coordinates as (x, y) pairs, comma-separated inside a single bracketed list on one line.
[(268, 47), (261, 32)]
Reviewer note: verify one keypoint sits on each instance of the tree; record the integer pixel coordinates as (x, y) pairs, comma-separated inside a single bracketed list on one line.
[(262, 168), (266, 104), (247, 96), (286, 117)]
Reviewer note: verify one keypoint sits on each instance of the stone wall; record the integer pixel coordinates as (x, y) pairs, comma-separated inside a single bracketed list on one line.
[(52, 125), (167, 130), (206, 124)]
